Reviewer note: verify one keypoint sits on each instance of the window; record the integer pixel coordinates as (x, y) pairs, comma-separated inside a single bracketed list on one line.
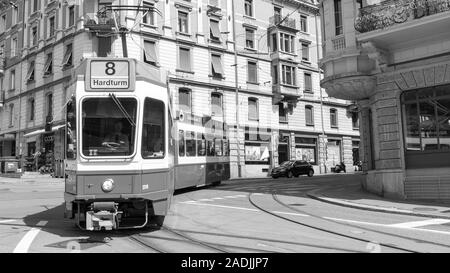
[(277, 11), (34, 36), (185, 59), (249, 38), (274, 42), (201, 144), (71, 16), (31, 71), (181, 149), (216, 104), (355, 121), (216, 66), (15, 15), (51, 26), (67, 60), (48, 67), (31, 108), (35, 5), (183, 22), (191, 143), (153, 129), (148, 14), (150, 56), (287, 43), (338, 17), (305, 52), (309, 115), (305, 149), (31, 148), (214, 30), (303, 23), (184, 100), (426, 123), (109, 130), (282, 113), (308, 83), (288, 74), (14, 47), (12, 80), (50, 105), (333, 118), (252, 69), (275, 74), (248, 6), (11, 115), (253, 109), (3, 23)]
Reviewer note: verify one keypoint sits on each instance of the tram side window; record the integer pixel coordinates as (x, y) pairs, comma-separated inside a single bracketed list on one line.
[(190, 143), (71, 130), (153, 130), (201, 144), (218, 146), (210, 147), (181, 143)]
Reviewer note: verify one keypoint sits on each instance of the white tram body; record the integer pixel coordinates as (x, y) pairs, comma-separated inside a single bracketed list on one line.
[(119, 158), (125, 153)]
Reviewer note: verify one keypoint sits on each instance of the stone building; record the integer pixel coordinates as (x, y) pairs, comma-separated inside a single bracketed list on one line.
[(251, 59), (393, 58)]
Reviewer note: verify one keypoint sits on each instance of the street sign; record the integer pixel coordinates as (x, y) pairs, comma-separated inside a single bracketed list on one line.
[(110, 74)]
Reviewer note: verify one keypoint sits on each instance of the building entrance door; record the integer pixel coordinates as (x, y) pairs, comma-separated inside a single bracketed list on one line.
[(282, 153)]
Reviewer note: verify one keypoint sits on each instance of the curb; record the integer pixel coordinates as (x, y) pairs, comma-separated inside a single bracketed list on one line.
[(371, 208)]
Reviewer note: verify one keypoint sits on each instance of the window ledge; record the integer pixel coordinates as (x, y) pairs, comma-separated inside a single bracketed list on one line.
[(183, 34), (65, 66), (184, 71), (254, 83), (216, 78), (148, 25), (303, 32), (250, 49), (308, 62), (334, 127), (249, 17), (309, 125), (31, 81), (289, 85), (214, 41), (284, 122), (11, 90)]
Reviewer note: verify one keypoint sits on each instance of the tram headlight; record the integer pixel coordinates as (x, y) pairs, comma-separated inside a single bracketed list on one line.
[(108, 185)]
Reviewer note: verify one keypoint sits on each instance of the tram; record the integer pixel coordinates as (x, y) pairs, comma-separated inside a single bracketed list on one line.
[(126, 152)]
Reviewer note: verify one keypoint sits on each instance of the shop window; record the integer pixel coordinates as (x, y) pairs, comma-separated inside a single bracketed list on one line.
[(426, 123), (306, 149)]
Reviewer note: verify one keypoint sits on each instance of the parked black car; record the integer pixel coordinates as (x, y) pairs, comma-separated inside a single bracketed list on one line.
[(293, 168)]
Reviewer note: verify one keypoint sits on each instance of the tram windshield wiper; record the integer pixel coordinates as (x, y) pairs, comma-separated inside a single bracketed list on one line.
[(122, 109)]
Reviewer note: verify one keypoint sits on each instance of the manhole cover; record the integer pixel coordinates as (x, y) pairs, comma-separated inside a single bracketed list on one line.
[(424, 209)]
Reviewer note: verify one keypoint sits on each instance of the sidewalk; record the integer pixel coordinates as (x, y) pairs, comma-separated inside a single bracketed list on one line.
[(355, 197)]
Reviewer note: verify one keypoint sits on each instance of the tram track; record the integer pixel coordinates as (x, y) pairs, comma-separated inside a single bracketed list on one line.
[(145, 241), (323, 229)]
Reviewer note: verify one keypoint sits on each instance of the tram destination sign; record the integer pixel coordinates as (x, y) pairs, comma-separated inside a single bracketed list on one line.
[(110, 74)]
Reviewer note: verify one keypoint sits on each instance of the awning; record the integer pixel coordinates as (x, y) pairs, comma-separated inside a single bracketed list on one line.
[(5, 137), (41, 131)]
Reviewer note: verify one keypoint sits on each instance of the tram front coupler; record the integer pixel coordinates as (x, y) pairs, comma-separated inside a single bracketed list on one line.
[(103, 216)]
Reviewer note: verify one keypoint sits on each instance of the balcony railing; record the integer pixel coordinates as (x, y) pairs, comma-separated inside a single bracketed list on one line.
[(389, 13), (277, 19), (100, 21)]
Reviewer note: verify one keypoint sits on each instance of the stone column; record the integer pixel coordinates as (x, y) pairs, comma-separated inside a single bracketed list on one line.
[(365, 150)]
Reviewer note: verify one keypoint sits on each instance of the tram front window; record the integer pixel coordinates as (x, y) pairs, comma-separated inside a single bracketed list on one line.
[(108, 126)]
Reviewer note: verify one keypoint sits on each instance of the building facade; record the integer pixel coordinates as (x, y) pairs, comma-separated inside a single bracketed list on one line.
[(393, 58), (251, 64)]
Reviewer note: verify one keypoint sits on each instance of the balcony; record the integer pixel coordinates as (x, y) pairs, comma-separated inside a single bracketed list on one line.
[(100, 22), (395, 12), (288, 23), (285, 93)]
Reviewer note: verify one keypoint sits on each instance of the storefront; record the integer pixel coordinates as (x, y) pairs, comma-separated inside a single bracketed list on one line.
[(257, 151)]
